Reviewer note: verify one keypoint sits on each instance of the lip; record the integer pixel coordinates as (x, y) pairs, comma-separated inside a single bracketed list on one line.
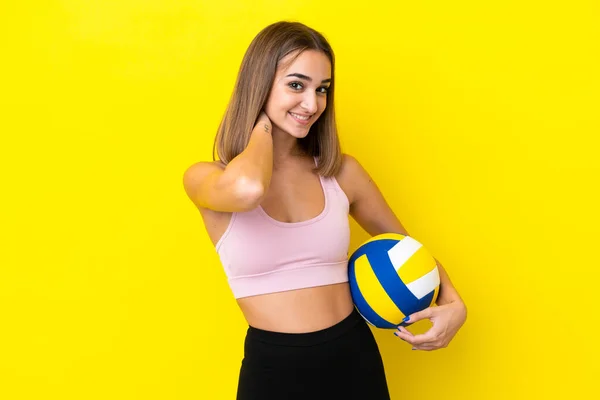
[(300, 121)]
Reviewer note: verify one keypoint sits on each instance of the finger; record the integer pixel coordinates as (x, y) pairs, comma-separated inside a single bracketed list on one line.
[(422, 339), (402, 329), (428, 346), (424, 348), (408, 338), (403, 333), (419, 315)]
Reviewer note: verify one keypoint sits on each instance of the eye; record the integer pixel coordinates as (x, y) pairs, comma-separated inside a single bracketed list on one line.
[(323, 90), (295, 85)]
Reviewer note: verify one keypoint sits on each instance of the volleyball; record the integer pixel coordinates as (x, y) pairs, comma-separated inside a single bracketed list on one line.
[(392, 276)]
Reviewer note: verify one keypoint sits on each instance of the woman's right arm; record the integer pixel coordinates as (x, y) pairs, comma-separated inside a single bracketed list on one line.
[(242, 184)]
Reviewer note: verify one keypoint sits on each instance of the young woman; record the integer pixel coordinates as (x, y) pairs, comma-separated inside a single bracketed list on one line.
[(276, 207)]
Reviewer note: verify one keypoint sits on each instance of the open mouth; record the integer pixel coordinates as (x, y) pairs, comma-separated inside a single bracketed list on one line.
[(302, 119)]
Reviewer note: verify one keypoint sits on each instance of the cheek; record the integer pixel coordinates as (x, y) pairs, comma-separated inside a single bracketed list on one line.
[(322, 105), (280, 102)]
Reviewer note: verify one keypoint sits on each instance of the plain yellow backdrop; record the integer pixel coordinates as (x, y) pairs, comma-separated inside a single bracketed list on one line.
[(478, 120)]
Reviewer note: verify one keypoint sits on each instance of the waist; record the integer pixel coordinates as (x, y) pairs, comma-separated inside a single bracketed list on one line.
[(298, 311), (307, 338)]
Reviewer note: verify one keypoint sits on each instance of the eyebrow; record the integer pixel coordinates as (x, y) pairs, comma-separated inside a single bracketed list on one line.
[(307, 78)]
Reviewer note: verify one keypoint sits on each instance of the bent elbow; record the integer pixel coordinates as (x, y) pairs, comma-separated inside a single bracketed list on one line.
[(249, 193)]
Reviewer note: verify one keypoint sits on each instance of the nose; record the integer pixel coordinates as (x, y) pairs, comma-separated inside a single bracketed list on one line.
[(309, 102)]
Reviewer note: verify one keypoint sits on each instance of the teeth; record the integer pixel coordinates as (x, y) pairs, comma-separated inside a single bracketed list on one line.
[(304, 118)]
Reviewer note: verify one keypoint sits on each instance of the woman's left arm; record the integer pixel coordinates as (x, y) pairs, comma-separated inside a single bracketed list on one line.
[(371, 211)]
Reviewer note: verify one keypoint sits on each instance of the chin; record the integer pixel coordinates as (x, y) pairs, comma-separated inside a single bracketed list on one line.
[(298, 133)]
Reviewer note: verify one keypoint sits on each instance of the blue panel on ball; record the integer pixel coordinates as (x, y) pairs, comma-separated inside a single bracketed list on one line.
[(377, 253), (423, 303), (363, 307)]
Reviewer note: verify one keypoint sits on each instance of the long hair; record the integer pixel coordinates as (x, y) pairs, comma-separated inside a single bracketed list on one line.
[(253, 86)]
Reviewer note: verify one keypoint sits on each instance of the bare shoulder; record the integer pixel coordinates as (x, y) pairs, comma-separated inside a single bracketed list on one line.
[(351, 176)]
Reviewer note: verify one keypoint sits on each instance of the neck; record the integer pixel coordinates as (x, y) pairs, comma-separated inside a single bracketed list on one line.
[(285, 146)]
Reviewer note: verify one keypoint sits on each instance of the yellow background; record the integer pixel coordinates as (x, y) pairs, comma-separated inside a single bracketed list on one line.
[(478, 120)]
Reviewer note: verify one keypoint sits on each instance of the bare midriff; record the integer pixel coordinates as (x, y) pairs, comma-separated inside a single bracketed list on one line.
[(298, 311)]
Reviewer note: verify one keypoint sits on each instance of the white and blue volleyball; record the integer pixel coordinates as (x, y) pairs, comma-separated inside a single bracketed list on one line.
[(392, 276)]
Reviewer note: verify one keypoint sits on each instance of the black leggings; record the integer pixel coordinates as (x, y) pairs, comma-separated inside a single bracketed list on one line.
[(339, 362)]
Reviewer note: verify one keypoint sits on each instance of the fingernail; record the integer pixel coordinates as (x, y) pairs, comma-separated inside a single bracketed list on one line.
[(414, 348), (406, 318)]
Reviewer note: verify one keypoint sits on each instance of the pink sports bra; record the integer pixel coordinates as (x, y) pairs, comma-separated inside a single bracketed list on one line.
[(263, 255)]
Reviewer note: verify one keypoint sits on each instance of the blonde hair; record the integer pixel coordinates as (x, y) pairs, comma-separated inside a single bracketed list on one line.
[(253, 86)]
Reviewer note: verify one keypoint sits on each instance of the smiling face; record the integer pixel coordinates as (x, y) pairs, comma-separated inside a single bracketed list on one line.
[(298, 96)]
